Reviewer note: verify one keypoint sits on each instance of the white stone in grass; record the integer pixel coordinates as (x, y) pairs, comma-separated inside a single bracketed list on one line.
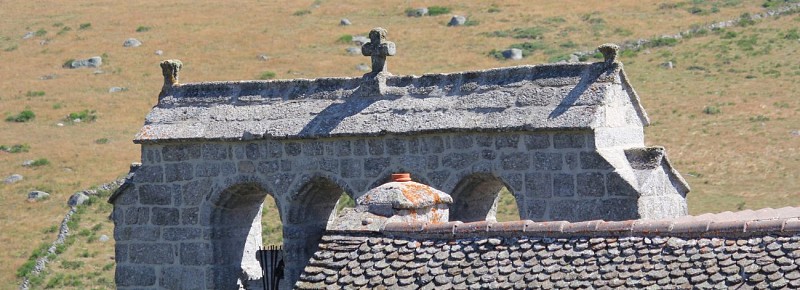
[(13, 178), (103, 238), (37, 195), (77, 199)]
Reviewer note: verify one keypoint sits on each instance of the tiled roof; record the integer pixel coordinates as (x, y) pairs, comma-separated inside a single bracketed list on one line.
[(754, 249), (540, 97)]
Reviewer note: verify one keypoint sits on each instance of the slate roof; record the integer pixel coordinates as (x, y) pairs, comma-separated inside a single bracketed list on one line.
[(540, 97), (749, 249)]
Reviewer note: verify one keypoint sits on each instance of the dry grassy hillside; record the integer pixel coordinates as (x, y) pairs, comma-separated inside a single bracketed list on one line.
[(728, 111)]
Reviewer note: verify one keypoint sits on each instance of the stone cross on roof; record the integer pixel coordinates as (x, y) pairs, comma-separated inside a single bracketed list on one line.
[(378, 48)]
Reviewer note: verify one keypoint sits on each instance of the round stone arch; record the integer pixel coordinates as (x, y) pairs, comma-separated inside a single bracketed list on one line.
[(475, 196), (233, 215), (309, 207)]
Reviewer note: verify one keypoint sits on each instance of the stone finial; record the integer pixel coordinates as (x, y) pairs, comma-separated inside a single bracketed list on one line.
[(378, 48), (609, 51), (171, 68), (406, 200)]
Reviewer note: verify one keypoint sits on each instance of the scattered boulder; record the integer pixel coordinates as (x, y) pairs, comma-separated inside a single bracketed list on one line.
[(417, 12), (667, 65), (94, 62), (37, 195), (13, 178), (457, 20), (360, 40), (796, 133), (345, 22), (263, 57), (513, 54), (159, 52), (28, 35), (103, 238), (353, 50), (132, 42), (363, 67), (77, 199), (27, 163), (117, 89)]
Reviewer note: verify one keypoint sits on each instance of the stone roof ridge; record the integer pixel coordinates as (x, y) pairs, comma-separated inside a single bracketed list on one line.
[(782, 221)]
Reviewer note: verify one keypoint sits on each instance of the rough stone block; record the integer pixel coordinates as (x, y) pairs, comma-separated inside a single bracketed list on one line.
[(568, 140), (182, 233), (562, 210), (329, 165), (563, 185), (136, 233), (120, 253), (134, 275), (461, 141), (488, 154), (571, 159), (591, 184), (484, 140), (413, 145), (593, 160), (438, 178), (618, 186), (515, 182), (165, 216), (274, 149), (313, 148), (350, 168), (343, 148), (137, 215), (178, 172), (547, 161), (189, 216), (619, 209), (182, 278), (127, 197), (215, 151), (246, 167), (506, 141), (207, 169), (227, 168), (375, 147), (252, 151), (194, 192), (149, 173), (515, 161), (292, 148), (538, 184), (360, 147), (238, 151), (286, 165), (267, 167), (535, 209), (432, 162), (537, 141), (155, 194), (458, 161), (413, 162), (586, 210), (151, 155), (159, 253), (395, 146), (180, 152), (196, 254), (432, 144)]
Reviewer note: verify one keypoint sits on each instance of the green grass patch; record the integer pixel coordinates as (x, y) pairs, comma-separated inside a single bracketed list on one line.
[(712, 110), (345, 38), (792, 34), (438, 10), (16, 148), (22, 117), (520, 33), (493, 9), (301, 12), (82, 116), (759, 118), (143, 29), (35, 94), (267, 75), (101, 141), (84, 26), (27, 267), (71, 265), (40, 162)]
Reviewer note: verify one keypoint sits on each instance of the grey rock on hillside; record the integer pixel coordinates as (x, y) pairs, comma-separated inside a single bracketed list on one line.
[(37, 195), (93, 62), (457, 20), (417, 12), (13, 178), (77, 199), (514, 53), (344, 22), (132, 42)]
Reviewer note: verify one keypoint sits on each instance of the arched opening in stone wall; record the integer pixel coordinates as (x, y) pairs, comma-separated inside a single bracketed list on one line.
[(236, 229), (309, 211), (271, 225), (482, 196)]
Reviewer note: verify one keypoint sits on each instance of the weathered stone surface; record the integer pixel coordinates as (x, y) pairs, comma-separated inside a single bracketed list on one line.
[(457, 20), (135, 275), (37, 195), (77, 199), (513, 54), (92, 62), (132, 42), (13, 178)]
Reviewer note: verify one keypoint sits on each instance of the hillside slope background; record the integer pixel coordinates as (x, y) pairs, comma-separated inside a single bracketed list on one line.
[(727, 111)]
